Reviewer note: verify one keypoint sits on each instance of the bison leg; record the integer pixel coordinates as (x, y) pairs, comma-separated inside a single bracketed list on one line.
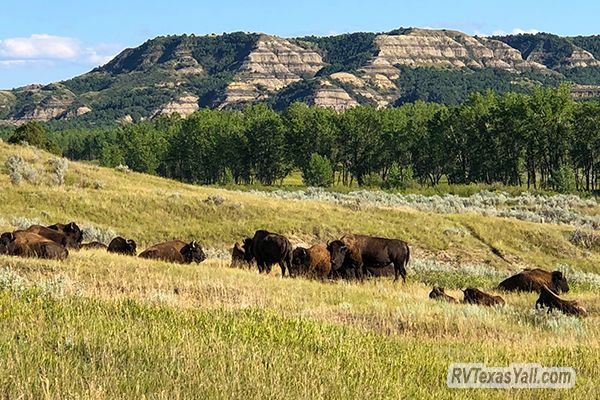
[(399, 270), (282, 265)]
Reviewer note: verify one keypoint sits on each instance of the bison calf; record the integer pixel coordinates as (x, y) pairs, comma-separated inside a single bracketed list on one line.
[(532, 280), (551, 300), (476, 296), (438, 293), (313, 262), (238, 257)]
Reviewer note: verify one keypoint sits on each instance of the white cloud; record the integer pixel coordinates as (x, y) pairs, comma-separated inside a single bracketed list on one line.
[(43, 47), (515, 31)]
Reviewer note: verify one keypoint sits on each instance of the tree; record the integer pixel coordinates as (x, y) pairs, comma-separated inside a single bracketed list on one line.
[(318, 172), (32, 132)]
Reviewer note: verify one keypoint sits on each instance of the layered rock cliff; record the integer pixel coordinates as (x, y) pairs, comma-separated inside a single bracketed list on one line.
[(179, 74)]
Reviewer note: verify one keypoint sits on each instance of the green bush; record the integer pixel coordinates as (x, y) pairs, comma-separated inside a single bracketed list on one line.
[(319, 171), (563, 180)]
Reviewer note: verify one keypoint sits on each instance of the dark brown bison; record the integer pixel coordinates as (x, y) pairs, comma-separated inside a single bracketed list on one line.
[(551, 300), (365, 254), (532, 280), (68, 240), (93, 246), (122, 246), (267, 249), (70, 229), (28, 244), (313, 262), (176, 251), (438, 293), (238, 257), (476, 296)]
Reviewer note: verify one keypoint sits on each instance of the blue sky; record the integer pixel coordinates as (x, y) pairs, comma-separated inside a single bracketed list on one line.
[(46, 41)]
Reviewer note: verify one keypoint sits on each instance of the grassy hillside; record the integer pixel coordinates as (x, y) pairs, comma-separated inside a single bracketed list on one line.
[(103, 326)]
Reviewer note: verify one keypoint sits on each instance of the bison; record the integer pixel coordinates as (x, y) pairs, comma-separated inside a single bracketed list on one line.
[(532, 280), (313, 262), (364, 254), (176, 251), (476, 296), (551, 300), (267, 249), (68, 240), (438, 293), (70, 229), (93, 246), (122, 246), (28, 244), (238, 257)]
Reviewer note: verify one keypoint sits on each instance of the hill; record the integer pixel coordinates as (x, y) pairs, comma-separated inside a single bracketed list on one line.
[(103, 326), (182, 73)]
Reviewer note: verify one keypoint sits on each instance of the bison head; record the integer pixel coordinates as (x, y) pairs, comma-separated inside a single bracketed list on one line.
[(337, 254), (193, 252), (131, 247), (247, 246), (5, 239), (436, 292), (72, 229), (300, 261), (559, 282)]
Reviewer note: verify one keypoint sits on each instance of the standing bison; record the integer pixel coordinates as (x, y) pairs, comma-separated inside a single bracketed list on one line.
[(238, 257), (176, 251), (313, 262), (532, 280), (122, 246), (267, 249), (361, 253), (28, 244)]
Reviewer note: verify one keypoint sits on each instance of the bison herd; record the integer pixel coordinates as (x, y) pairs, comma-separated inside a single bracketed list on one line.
[(54, 242), (353, 256)]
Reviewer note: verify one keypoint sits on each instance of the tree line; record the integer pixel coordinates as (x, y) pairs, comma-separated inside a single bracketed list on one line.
[(544, 140)]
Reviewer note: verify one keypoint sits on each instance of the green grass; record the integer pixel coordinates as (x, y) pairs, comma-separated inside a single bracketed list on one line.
[(105, 326)]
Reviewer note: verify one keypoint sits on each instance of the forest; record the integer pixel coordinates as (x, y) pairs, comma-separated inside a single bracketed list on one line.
[(543, 140)]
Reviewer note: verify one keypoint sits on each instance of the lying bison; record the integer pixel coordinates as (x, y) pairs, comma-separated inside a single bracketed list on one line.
[(28, 244), (362, 253), (476, 296), (438, 293), (176, 251), (71, 229), (122, 246), (238, 257), (93, 246), (267, 249), (68, 240), (313, 262), (532, 280), (551, 300)]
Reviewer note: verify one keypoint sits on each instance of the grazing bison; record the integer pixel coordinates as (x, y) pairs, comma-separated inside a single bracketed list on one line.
[(68, 240), (176, 251), (367, 254), (438, 293), (269, 248), (238, 257), (70, 229), (28, 244), (532, 280), (93, 246), (551, 300), (313, 262), (476, 296), (122, 246)]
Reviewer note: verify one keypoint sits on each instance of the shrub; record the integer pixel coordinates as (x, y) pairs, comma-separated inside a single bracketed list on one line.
[(372, 180), (563, 181), (318, 172), (96, 234), (123, 168), (98, 184), (398, 178), (14, 164), (59, 167), (23, 222), (214, 200)]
